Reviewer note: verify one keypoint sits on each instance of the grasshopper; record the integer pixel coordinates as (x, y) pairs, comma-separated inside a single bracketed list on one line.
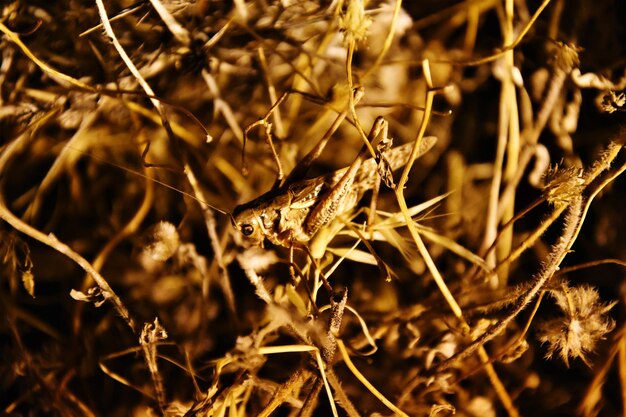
[(294, 212)]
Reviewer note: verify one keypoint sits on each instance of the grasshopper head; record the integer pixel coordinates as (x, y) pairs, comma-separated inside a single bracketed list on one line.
[(248, 223)]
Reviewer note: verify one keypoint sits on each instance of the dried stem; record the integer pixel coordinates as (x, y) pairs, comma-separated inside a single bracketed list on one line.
[(51, 241)]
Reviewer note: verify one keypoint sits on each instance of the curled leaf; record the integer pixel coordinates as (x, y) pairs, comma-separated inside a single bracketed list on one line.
[(94, 295)]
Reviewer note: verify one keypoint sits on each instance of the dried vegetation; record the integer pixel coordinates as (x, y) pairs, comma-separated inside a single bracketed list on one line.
[(482, 279)]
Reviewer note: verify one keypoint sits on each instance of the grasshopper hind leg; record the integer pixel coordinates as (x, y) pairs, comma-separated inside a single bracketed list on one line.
[(344, 195)]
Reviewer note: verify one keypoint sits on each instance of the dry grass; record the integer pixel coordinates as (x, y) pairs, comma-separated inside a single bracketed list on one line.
[(483, 278)]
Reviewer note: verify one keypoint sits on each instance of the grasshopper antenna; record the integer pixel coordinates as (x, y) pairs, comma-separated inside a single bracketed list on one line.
[(161, 183)]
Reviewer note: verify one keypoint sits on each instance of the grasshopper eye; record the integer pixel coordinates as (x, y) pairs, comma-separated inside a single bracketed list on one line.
[(247, 229)]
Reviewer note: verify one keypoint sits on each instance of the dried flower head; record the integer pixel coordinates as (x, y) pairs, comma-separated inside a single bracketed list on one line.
[(612, 102), (354, 23), (563, 184), (566, 56), (584, 323)]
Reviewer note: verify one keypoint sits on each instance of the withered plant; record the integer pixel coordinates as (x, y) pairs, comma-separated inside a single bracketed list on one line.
[(303, 208)]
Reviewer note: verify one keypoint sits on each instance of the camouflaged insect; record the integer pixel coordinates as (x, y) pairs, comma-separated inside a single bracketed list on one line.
[(294, 212)]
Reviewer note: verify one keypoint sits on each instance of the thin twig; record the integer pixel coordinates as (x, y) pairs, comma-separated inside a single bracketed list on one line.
[(179, 32), (51, 241), (510, 46), (388, 40), (44, 67), (576, 213), (555, 258), (441, 284)]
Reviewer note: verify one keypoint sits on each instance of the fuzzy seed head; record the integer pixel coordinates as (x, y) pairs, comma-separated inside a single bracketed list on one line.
[(584, 323), (163, 242), (354, 23), (562, 185)]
